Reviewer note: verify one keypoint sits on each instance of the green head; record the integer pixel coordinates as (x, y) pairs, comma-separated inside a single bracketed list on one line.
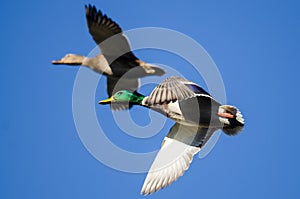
[(124, 96)]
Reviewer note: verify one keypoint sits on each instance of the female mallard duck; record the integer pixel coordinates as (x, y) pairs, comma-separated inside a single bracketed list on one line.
[(116, 60), (197, 114)]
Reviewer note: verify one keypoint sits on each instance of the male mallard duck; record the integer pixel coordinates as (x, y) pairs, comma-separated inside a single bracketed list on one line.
[(197, 114), (116, 60)]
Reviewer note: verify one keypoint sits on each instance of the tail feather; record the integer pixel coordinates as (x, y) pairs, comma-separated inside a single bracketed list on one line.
[(233, 125), (157, 70)]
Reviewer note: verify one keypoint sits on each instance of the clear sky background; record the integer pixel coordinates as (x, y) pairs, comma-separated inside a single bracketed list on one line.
[(255, 45)]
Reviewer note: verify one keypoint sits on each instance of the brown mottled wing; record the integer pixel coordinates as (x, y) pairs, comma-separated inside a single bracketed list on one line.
[(170, 90), (107, 34)]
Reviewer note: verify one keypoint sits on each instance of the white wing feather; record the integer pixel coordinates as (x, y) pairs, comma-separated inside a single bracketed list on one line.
[(171, 162)]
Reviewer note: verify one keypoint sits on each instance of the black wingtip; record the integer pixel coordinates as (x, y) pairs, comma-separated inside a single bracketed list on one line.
[(93, 14), (88, 7), (96, 17)]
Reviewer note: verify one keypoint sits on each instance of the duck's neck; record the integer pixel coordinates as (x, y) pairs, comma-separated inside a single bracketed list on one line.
[(140, 99), (137, 98), (85, 61), (98, 64)]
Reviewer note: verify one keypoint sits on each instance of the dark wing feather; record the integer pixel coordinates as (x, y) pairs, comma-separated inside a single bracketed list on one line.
[(107, 34), (196, 88), (116, 84), (170, 90)]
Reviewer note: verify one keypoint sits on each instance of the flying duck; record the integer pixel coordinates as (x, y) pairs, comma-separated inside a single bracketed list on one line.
[(197, 115), (116, 60)]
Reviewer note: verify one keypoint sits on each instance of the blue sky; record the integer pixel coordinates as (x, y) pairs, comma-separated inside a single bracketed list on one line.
[(255, 45)]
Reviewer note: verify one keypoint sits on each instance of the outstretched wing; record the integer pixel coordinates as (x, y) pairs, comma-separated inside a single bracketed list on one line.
[(196, 88), (175, 156), (107, 34), (170, 90)]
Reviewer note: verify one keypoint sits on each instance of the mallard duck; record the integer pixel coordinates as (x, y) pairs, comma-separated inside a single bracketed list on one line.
[(116, 60), (197, 114)]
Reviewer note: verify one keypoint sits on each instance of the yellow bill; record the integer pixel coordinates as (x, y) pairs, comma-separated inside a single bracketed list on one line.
[(106, 101)]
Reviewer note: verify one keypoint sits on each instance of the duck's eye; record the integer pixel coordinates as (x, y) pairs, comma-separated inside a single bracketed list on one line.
[(120, 93)]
